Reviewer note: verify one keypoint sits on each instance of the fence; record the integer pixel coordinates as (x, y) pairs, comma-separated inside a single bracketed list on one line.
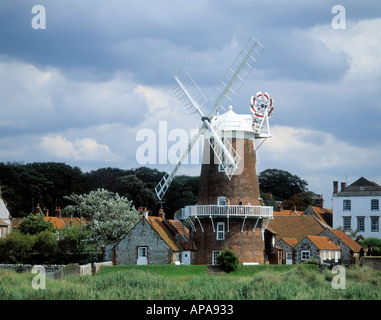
[(61, 272)]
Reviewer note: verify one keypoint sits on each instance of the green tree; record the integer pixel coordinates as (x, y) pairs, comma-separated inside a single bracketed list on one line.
[(35, 224), (281, 184), (228, 261), (300, 201), (112, 216)]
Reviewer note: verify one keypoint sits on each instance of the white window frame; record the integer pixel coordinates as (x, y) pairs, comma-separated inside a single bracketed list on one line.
[(374, 224), (347, 205), (144, 250), (220, 232), (347, 223), (221, 201), (361, 224), (214, 257), (304, 252), (374, 205)]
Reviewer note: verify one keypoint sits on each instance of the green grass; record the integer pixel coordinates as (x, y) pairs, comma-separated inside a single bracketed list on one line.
[(193, 283)]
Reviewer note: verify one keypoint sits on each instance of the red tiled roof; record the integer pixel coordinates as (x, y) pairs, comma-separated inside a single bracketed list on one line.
[(291, 241), (352, 244), (158, 225), (323, 243), (297, 227), (287, 213)]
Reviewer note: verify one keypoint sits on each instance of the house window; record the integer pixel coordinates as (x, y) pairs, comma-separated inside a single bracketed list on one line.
[(305, 254), (347, 223), (220, 230), (374, 205), (346, 205), (337, 256), (374, 225), (361, 224), (214, 257)]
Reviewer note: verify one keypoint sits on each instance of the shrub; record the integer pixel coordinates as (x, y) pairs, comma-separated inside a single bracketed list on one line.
[(228, 261)]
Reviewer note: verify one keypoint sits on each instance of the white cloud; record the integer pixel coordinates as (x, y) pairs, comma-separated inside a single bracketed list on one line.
[(316, 151), (361, 41), (81, 149)]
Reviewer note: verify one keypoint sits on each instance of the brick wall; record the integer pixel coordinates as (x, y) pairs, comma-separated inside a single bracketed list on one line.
[(214, 184), (246, 245)]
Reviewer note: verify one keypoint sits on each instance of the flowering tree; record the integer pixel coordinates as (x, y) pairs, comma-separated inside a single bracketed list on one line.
[(112, 216)]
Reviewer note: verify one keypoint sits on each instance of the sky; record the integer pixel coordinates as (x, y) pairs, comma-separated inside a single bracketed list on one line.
[(87, 82)]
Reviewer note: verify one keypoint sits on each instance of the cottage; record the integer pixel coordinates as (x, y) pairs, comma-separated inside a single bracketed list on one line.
[(5, 218), (317, 247), (3, 229), (351, 250), (323, 214), (153, 240)]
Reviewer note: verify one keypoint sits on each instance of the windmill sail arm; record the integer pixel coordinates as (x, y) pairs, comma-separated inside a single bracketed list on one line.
[(237, 73), (165, 182)]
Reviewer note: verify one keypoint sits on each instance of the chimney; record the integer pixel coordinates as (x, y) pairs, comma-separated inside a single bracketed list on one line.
[(161, 213), (57, 212), (319, 201), (343, 186), (38, 209), (45, 212), (335, 187)]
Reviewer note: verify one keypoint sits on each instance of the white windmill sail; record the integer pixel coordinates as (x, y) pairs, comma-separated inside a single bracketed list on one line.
[(236, 75), (191, 97)]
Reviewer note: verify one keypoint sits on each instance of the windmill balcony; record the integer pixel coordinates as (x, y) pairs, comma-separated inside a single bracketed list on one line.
[(225, 211)]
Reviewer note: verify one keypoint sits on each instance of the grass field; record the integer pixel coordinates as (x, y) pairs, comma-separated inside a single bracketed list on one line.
[(193, 283)]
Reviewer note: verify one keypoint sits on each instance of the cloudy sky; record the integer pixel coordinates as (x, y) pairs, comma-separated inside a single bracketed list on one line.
[(81, 90)]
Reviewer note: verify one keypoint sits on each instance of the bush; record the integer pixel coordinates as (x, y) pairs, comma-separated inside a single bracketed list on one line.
[(228, 261)]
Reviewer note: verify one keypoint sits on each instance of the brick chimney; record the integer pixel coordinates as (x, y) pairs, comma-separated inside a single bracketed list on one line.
[(161, 213), (57, 212), (335, 187), (38, 209), (45, 212), (343, 186), (319, 201)]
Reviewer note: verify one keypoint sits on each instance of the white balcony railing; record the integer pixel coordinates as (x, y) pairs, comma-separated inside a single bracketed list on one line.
[(232, 211)]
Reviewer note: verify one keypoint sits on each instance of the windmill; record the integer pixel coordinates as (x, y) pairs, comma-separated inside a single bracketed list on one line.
[(193, 100)]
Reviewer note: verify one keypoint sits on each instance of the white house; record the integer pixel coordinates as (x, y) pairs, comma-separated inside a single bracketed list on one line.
[(357, 206)]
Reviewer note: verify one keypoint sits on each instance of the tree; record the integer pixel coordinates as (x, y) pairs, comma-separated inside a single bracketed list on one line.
[(299, 201), (228, 261), (112, 216), (35, 224), (281, 184)]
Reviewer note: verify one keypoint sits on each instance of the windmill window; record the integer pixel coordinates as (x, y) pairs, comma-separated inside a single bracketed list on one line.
[(221, 201), (220, 230), (214, 257)]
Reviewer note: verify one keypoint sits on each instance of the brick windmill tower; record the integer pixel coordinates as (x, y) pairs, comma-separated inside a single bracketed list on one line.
[(228, 212)]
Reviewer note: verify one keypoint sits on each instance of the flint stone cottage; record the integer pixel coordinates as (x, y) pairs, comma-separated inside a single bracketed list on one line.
[(153, 240)]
